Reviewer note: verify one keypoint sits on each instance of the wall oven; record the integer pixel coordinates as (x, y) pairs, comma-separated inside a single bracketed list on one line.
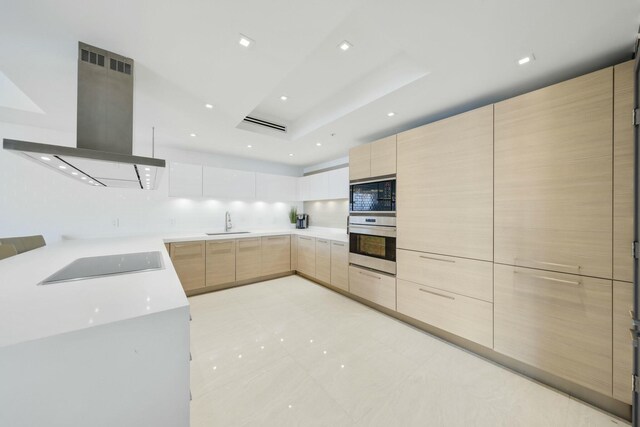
[(374, 196), (372, 242)]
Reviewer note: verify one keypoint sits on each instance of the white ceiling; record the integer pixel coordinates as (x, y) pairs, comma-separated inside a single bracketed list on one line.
[(421, 59)]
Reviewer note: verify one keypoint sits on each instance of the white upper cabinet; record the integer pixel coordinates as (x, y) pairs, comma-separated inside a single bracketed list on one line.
[(339, 183), (185, 180), (276, 188), (329, 185), (228, 184)]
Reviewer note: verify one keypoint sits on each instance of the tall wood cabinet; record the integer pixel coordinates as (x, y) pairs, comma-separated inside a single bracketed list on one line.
[(220, 262), (553, 177), (372, 160), (622, 345), (445, 186)]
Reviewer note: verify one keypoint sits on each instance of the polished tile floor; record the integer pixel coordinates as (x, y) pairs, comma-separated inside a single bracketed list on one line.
[(288, 352)]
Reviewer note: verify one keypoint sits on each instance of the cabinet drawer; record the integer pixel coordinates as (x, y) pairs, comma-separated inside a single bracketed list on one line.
[(188, 259), (323, 260), (458, 275), (248, 259), (375, 287), (463, 316), (276, 255), (221, 262), (560, 323), (340, 265)]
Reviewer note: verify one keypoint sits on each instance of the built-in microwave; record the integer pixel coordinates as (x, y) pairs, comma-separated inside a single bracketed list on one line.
[(374, 196), (372, 242)]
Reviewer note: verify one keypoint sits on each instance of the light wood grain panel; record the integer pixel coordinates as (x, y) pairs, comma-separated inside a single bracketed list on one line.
[(360, 162), (553, 177), (307, 255), (623, 172), (463, 316), (188, 259), (276, 255), (340, 265), (294, 253), (560, 323), (248, 258), (445, 186), (374, 287), (323, 260), (622, 347), (383, 156), (221, 262), (458, 275)]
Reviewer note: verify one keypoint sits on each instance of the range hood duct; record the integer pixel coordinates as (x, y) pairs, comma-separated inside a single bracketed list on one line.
[(104, 153)]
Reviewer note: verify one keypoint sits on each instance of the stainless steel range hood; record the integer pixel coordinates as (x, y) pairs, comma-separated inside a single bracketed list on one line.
[(104, 154)]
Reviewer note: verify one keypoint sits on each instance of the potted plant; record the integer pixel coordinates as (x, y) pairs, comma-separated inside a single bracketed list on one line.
[(293, 216)]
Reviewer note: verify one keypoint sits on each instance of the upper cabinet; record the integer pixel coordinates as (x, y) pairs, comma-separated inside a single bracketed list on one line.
[(185, 180), (338, 183), (333, 184), (276, 188), (553, 177), (372, 160), (228, 184), (622, 172), (445, 186)]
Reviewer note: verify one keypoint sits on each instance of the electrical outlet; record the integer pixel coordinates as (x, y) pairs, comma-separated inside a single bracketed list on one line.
[(172, 222), (116, 222)]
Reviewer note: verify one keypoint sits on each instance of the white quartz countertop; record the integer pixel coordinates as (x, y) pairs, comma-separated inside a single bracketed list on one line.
[(29, 311)]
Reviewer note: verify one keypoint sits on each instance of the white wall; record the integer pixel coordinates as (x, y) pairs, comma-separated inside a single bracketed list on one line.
[(325, 165), (35, 200), (328, 213)]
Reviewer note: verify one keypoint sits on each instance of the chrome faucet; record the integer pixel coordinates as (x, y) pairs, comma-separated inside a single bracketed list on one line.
[(227, 222)]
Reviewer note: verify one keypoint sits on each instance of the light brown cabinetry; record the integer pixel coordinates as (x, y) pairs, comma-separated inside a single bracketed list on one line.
[(248, 258), (188, 259), (372, 160), (276, 255), (560, 323), (463, 316), (445, 186), (461, 276), (323, 260), (340, 265), (622, 346), (307, 255), (372, 286), (553, 177), (294, 253), (220, 262), (623, 172)]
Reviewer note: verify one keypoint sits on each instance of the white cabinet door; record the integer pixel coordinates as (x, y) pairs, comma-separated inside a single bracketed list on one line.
[(314, 187), (275, 188), (229, 184), (185, 180), (338, 183)]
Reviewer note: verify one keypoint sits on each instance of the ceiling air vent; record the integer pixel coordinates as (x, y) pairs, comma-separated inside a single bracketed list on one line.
[(92, 57), (266, 124)]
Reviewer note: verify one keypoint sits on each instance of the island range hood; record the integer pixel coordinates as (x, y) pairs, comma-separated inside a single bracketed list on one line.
[(104, 153)]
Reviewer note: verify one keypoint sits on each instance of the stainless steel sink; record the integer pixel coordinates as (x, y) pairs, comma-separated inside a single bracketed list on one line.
[(227, 232)]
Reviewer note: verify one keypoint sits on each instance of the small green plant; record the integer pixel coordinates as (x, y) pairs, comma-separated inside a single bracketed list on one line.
[(293, 214)]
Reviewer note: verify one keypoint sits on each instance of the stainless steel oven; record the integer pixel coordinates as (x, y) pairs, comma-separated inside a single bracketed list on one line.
[(372, 242), (374, 196)]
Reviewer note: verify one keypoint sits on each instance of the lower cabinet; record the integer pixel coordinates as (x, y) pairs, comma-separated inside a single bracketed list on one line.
[(375, 287), (307, 255), (467, 317), (622, 346), (276, 255), (560, 323), (248, 258), (294, 252), (221, 262), (340, 265), (323, 260), (188, 259)]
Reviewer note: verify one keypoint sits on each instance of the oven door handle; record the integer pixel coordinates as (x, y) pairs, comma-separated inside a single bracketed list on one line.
[(381, 231)]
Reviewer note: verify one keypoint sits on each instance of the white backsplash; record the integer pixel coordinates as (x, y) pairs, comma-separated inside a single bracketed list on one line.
[(328, 213)]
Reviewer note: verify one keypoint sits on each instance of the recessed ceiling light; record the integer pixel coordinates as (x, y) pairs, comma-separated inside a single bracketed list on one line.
[(148, 174), (74, 173), (245, 41), (345, 45), (147, 169), (90, 182), (62, 167), (45, 158), (284, 97), (209, 106), (83, 177), (249, 146), (193, 134), (318, 144), (290, 154), (526, 59), (391, 114)]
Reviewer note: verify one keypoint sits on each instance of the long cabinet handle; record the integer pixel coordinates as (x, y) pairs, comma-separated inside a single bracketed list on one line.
[(553, 279), (435, 293), (577, 267), (276, 238), (305, 238), (337, 243), (369, 275), (437, 259)]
